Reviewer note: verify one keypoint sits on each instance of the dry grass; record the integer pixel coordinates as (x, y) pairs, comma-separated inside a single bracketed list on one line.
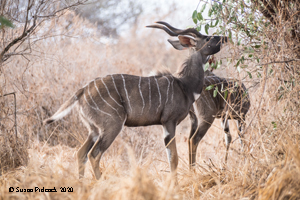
[(135, 166)]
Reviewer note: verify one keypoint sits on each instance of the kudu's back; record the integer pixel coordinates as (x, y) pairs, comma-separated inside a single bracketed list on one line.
[(232, 98)]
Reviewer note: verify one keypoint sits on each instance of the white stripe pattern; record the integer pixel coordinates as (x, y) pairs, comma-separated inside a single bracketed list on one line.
[(158, 93), (172, 88), (110, 94), (104, 99), (116, 87), (141, 94), (167, 89), (97, 109), (206, 100), (126, 92), (208, 80)]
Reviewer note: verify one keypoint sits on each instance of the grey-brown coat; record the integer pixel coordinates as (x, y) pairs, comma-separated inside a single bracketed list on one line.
[(107, 104), (231, 102)]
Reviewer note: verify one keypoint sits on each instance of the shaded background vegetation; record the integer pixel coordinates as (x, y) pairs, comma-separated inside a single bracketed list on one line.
[(49, 49)]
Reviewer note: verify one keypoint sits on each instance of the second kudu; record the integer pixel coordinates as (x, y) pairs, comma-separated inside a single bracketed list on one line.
[(231, 102), (107, 104)]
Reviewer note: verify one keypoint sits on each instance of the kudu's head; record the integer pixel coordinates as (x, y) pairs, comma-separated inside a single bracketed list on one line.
[(192, 39)]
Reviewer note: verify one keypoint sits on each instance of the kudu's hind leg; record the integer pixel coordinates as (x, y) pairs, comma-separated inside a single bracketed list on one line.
[(83, 151), (107, 136), (85, 148), (228, 138), (196, 136)]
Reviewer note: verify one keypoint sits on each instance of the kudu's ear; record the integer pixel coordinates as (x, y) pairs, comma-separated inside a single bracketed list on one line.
[(176, 44), (187, 41)]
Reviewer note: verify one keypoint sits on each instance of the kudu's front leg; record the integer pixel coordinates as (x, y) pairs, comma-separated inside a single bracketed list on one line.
[(197, 133), (192, 147), (196, 137), (170, 143)]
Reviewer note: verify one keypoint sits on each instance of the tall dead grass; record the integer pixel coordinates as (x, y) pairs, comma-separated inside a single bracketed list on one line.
[(135, 166)]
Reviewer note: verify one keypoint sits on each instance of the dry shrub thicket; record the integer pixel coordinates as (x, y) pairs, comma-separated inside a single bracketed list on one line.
[(135, 166)]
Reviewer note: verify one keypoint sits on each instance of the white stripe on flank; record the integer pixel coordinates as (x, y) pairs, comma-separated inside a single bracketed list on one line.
[(214, 80), (104, 99), (141, 94), (116, 87), (97, 109), (218, 79), (172, 88), (149, 93), (158, 93), (109, 93), (126, 92), (167, 89), (205, 98), (209, 80)]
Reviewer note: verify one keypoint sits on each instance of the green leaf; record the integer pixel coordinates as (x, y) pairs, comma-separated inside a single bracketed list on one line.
[(250, 75), (230, 34), (225, 94), (203, 8), (198, 28), (5, 22), (239, 42), (257, 46), (206, 66), (194, 16), (219, 64), (206, 28), (195, 20), (274, 125), (210, 87), (210, 12), (215, 92), (216, 23), (238, 63), (199, 16), (258, 75)]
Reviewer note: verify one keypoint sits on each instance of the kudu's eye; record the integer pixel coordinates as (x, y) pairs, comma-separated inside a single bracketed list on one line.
[(209, 38)]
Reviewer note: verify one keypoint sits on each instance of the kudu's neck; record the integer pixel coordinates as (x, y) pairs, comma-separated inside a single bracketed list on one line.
[(192, 73)]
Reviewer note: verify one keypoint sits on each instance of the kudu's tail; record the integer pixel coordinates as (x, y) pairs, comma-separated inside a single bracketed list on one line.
[(65, 108)]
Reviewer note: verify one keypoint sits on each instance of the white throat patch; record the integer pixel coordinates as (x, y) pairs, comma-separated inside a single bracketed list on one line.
[(196, 96)]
